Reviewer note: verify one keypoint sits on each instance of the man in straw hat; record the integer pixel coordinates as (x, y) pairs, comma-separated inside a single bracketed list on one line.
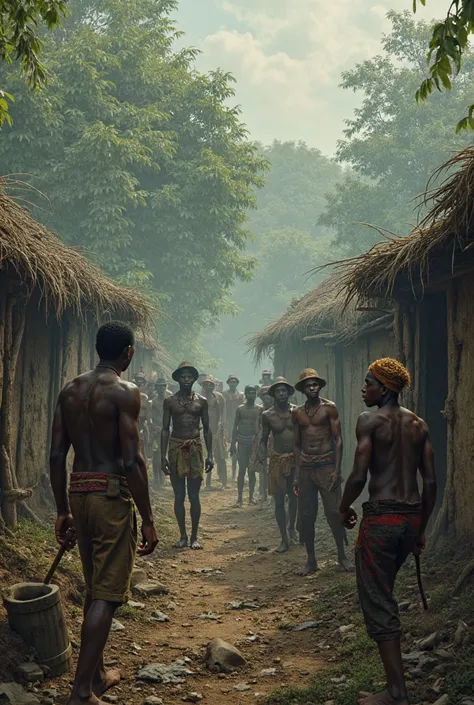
[(318, 458), (245, 430), (281, 468), (185, 463), (393, 445), (160, 394), (233, 399), (216, 403), (97, 414)]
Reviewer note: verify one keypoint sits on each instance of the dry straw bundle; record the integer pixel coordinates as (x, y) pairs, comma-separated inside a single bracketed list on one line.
[(65, 278), (432, 250)]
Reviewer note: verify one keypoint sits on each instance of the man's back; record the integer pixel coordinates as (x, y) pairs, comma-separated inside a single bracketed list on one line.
[(90, 406), (398, 440)]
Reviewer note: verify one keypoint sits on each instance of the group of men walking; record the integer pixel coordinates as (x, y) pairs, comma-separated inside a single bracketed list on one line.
[(98, 414)]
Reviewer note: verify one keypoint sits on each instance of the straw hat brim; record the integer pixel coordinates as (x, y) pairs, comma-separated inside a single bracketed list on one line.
[(231, 378), (271, 390), (177, 372), (299, 386)]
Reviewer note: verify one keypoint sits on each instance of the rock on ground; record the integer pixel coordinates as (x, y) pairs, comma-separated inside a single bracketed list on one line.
[(222, 657), (29, 672), (149, 588), (153, 700), (165, 673), (16, 695), (139, 576)]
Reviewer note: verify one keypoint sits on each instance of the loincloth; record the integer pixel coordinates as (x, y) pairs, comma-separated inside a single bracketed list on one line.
[(281, 468), (106, 532), (186, 458), (318, 468), (387, 536)]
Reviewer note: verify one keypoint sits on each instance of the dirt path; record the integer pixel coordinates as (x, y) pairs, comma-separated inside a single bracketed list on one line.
[(231, 568)]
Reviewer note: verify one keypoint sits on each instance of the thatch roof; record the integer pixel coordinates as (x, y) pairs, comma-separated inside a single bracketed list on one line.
[(441, 244), (65, 278), (322, 313)]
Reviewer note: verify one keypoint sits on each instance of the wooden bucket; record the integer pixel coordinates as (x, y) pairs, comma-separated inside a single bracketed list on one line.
[(35, 613)]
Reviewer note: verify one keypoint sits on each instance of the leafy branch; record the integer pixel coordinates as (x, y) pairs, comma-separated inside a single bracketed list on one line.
[(448, 43)]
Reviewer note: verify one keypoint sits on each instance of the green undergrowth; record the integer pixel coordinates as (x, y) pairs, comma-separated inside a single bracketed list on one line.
[(357, 659)]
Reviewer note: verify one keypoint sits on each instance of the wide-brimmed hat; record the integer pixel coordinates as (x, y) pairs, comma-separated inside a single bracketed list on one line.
[(309, 373), (231, 377), (184, 366), (209, 379), (161, 382), (140, 375), (263, 390), (267, 372), (278, 381)]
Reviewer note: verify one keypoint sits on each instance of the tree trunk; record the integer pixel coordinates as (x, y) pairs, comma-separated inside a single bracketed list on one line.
[(13, 328)]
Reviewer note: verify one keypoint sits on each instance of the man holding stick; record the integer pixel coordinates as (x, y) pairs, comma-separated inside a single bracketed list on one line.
[(393, 445), (98, 415)]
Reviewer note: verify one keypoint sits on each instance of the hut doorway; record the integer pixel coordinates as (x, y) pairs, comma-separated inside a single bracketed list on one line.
[(436, 380)]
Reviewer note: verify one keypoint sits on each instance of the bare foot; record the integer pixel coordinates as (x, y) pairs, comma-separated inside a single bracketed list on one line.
[(253, 501), (93, 700), (106, 681), (238, 505), (182, 543), (195, 545), (345, 565), (309, 568), (383, 698), (283, 547)]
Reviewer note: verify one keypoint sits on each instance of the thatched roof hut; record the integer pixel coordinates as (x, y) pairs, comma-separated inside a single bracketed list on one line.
[(429, 276), (322, 314), (437, 249), (64, 277), (51, 303)]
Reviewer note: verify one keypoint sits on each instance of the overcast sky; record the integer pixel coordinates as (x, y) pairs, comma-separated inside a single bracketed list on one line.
[(288, 55)]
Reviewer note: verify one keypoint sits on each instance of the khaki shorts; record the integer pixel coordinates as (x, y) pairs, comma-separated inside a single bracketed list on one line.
[(106, 530)]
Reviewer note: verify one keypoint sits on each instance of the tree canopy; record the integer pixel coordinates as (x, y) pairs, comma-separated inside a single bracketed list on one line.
[(288, 243), (448, 43), (144, 161), (392, 145), (20, 25)]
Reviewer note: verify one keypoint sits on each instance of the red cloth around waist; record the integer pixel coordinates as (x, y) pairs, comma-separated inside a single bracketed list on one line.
[(94, 482)]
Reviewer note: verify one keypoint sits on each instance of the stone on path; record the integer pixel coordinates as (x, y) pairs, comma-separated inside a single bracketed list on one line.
[(242, 687), (310, 624), (221, 657), (139, 576), (153, 700), (165, 673), (443, 700), (461, 632), (136, 605), (16, 695), (158, 616), (150, 588), (429, 642), (192, 698), (268, 672), (243, 605), (116, 626), (211, 616), (107, 698), (29, 672)]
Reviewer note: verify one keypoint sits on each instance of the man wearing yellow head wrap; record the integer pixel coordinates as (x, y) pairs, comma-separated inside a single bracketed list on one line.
[(393, 445)]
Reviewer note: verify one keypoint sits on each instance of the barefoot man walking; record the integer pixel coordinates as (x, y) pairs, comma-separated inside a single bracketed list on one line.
[(186, 410), (318, 458), (281, 468), (98, 415), (246, 425), (393, 445)]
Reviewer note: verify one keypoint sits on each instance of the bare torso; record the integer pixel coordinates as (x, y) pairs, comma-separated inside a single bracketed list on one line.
[(281, 426), (89, 406), (157, 409), (247, 419), (186, 415), (398, 439), (315, 427), (216, 405), (232, 401)]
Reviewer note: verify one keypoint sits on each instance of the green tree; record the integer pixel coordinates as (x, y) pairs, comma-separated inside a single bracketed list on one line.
[(144, 162), (288, 243), (392, 145), (448, 44), (20, 25)]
